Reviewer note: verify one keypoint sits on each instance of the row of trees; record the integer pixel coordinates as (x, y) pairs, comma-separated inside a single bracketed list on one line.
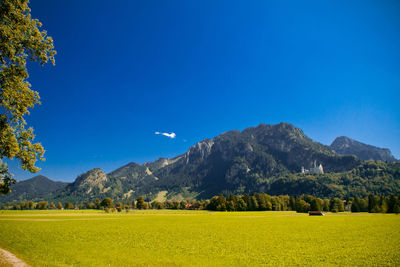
[(376, 204), (304, 203), (106, 204), (264, 202), (42, 205), (254, 202)]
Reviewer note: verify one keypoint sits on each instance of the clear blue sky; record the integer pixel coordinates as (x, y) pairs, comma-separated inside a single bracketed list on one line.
[(126, 69)]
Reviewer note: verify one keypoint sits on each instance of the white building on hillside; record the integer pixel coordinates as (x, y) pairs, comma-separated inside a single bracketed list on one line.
[(314, 169)]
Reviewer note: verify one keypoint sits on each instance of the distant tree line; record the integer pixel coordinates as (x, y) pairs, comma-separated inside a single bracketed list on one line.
[(254, 202), (265, 202), (304, 203)]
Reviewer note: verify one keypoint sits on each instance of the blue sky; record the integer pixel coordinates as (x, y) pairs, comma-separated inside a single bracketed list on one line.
[(126, 69)]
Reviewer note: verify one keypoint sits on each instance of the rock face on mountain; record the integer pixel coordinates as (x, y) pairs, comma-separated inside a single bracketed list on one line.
[(35, 188), (347, 146), (88, 185)]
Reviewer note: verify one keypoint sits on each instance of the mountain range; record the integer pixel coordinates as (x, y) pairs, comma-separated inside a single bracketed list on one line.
[(266, 158)]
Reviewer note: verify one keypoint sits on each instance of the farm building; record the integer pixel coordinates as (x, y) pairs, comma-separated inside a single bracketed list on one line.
[(316, 213)]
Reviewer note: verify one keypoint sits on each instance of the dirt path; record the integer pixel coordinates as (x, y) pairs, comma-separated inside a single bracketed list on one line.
[(9, 259)]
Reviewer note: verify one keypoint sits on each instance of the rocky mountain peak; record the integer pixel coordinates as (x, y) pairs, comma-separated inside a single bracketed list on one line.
[(199, 151), (346, 146), (158, 164), (91, 178)]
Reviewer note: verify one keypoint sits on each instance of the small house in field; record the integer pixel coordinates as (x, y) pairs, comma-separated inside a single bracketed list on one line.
[(191, 207), (316, 213)]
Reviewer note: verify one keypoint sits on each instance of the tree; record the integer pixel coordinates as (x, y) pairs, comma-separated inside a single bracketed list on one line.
[(20, 38), (302, 206), (107, 203), (336, 205), (120, 206), (355, 205), (97, 203), (42, 205), (315, 205), (127, 207), (221, 203), (396, 208), (140, 205), (182, 204), (89, 205), (240, 204), (373, 204), (326, 205), (68, 205), (31, 205), (156, 205), (253, 203)]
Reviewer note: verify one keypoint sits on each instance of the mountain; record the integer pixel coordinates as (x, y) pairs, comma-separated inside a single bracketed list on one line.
[(266, 158), (245, 162), (233, 162), (36, 188), (347, 146), (88, 185)]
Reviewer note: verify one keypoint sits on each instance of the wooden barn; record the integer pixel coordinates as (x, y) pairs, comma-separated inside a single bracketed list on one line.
[(316, 213)]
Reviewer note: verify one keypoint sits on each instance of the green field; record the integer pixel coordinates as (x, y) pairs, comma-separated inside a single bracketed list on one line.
[(199, 238)]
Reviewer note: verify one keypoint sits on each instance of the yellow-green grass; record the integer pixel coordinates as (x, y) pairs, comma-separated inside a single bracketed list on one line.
[(200, 238)]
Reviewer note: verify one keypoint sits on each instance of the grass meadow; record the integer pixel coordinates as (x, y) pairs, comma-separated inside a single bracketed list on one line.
[(200, 238)]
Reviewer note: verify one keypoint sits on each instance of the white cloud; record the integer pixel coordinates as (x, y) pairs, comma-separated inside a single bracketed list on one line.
[(170, 135)]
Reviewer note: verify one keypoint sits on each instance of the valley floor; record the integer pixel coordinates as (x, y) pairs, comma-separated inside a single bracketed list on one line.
[(199, 238)]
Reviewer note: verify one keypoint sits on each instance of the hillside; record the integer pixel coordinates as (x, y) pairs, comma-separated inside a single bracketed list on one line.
[(347, 146), (36, 188)]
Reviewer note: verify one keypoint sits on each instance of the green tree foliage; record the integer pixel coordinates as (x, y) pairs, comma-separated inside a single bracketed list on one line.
[(42, 205), (156, 205), (373, 204), (396, 208), (120, 206), (20, 39), (140, 204), (90, 205), (97, 203), (315, 205), (337, 205), (302, 206), (326, 205), (217, 203), (30, 204), (107, 203), (68, 205)]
